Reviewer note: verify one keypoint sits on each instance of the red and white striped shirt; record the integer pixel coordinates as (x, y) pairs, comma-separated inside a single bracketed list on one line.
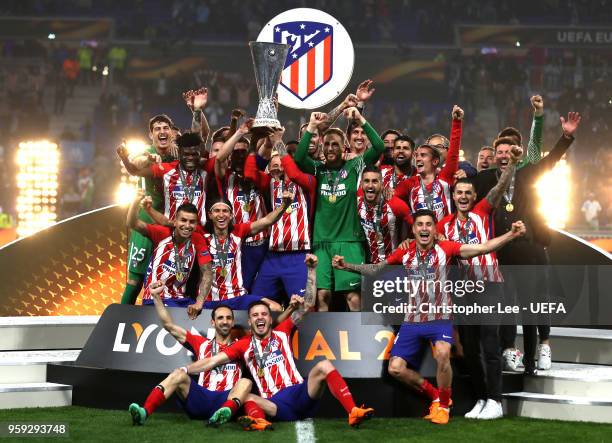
[(438, 192), (474, 230), (390, 178), (226, 263), (163, 261), (429, 268), (381, 225), (292, 231), (247, 205), (221, 378), (279, 369), (175, 190)]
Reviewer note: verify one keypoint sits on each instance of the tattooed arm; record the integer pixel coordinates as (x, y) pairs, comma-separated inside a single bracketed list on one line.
[(196, 101), (365, 269), (199, 123), (276, 138), (495, 194), (310, 295), (332, 116), (206, 278)]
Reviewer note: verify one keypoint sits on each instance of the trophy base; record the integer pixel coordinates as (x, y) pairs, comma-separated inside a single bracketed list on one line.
[(266, 123)]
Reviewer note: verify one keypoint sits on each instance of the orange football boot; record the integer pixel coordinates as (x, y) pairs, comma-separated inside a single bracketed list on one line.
[(433, 408), (358, 415), (441, 416), (249, 423)]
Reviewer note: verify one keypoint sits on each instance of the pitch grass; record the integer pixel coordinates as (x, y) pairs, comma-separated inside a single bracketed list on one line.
[(116, 426)]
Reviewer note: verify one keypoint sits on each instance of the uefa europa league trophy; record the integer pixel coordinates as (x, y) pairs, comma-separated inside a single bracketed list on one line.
[(268, 62)]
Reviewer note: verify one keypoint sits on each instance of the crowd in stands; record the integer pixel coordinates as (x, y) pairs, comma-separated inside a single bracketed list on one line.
[(372, 21), (483, 83)]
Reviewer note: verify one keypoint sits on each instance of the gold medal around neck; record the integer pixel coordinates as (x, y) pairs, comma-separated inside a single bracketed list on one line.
[(289, 210), (260, 372), (332, 198), (509, 207), (223, 272), (246, 207), (179, 276)]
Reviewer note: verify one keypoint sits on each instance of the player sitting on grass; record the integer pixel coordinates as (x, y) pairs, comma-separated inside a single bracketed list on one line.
[(221, 389), (285, 395)]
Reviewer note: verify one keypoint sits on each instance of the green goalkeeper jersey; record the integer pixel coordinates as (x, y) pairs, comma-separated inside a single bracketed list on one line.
[(336, 218)]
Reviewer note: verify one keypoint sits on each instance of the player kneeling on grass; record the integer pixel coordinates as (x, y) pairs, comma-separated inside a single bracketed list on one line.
[(218, 393), (285, 395), (427, 260)]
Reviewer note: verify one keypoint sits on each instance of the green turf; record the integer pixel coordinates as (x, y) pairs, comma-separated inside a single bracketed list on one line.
[(116, 426)]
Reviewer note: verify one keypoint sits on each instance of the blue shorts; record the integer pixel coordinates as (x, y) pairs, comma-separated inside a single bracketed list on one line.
[(409, 341), (237, 303), (294, 403), (202, 403), (172, 302), (252, 258), (281, 273)]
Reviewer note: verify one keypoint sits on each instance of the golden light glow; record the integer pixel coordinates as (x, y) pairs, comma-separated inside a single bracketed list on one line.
[(126, 191), (38, 168), (554, 191)]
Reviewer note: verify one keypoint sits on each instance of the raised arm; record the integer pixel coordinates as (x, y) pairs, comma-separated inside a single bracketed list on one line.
[(310, 294), (301, 157), (141, 168), (534, 146), (472, 250), (364, 92), (160, 219), (196, 102), (132, 220), (569, 128), (372, 154), (452, 158), (227, 148), (156, 288), (350, 100), (235, 116), (306, 181), (495, 194), (252, 172)]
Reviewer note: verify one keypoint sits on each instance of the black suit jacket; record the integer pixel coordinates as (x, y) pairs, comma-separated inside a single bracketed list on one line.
[(525, 199)]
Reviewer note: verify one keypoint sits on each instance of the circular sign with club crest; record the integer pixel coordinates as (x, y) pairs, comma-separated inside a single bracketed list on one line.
[(320, 61)]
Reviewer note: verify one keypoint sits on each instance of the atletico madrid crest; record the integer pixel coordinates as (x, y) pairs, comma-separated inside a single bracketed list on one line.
[(309, 64), (320, 61)]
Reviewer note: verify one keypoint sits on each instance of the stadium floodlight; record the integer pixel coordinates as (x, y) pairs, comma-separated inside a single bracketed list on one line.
[(126, 191), (37, 182), (554, 191)]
